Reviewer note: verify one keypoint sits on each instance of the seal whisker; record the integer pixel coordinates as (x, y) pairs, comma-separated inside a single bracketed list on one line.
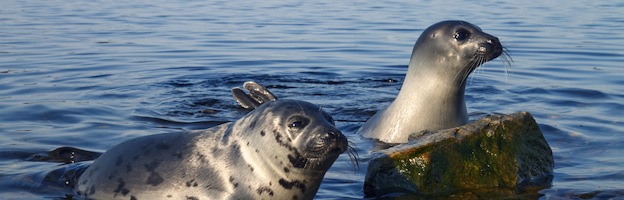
[(300, 107), (353, 156), (483, 64), (480, 61), (467, 65), (506, 54), (470, 66), (462, 74), (507, 60), (458, 73)]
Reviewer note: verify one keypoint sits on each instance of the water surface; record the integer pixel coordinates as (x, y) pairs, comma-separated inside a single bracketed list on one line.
[(95, 73)]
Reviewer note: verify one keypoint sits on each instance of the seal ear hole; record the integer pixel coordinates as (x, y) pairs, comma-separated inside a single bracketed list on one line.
[(298, 122), (461, 34)]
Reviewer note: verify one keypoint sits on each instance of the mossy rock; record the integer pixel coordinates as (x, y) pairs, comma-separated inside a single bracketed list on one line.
[(500, 154)]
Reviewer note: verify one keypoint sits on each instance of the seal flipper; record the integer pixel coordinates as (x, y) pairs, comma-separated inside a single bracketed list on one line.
[(256, 97), (258, 92), (244, 100), (65, 155)]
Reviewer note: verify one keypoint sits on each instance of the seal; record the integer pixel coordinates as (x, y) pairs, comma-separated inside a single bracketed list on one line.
[(432, 95), (280, 150)]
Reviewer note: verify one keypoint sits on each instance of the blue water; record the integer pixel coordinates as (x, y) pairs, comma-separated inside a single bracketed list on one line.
[(92, 74)]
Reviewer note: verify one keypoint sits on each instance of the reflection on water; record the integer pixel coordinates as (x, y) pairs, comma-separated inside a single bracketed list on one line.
[(92, 74)]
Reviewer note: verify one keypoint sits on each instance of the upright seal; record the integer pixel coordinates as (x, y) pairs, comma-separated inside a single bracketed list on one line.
[(432, 95), (280, 150)]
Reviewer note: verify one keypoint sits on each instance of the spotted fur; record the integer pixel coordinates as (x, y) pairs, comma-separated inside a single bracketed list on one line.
[(230, 161)]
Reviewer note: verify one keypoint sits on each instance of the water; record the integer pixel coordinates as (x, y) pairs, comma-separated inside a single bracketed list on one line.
[(95, 73)]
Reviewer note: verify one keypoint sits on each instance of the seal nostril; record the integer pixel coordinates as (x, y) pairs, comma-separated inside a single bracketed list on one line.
[(485, 47), (494, 41), (482, 49), (332, 134)]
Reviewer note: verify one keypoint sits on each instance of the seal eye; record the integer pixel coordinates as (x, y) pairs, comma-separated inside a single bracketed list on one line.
[(461, 35), (297, 123)]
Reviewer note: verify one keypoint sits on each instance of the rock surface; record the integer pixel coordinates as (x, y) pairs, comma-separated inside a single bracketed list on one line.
[(500, 154)]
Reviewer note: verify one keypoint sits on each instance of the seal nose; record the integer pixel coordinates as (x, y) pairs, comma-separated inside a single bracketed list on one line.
[(335, 134), (337, 138)]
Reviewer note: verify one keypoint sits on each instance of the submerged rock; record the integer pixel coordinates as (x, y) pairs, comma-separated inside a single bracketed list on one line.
[(500, 154)]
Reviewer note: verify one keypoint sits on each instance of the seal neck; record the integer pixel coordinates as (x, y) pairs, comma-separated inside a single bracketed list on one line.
[(431, 89), (439, 80), (432, 93)]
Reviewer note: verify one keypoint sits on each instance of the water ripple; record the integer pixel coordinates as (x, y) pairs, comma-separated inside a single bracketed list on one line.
[(91, 74)]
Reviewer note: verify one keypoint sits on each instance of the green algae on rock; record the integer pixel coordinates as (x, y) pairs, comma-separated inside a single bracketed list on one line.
[(499, 153)]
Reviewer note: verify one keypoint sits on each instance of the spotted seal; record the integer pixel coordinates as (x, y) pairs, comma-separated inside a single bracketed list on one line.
[(432, 95), (280, 150)]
